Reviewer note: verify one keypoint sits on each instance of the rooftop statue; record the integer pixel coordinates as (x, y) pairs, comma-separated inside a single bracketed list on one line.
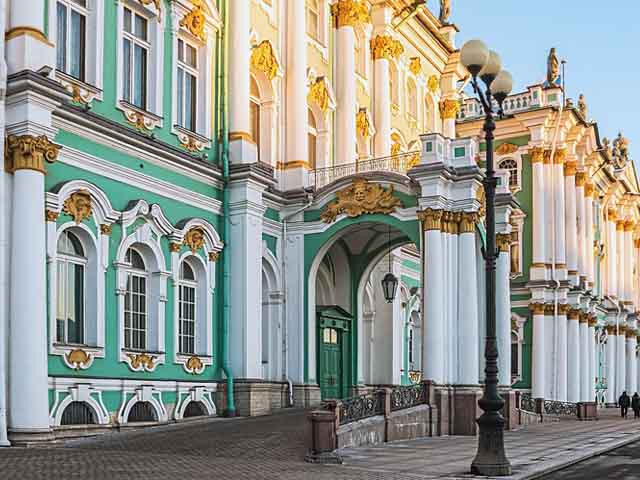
[(553, 68), (445, 11), (582, 107), (620, 150)]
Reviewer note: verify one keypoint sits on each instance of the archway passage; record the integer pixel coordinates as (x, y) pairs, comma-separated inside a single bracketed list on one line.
[(361, 339)]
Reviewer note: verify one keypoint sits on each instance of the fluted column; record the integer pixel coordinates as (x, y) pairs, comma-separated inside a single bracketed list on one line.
[(558, 186), (347, 14), (573, 250), (573, 356), (610, 349), (538, 354), (433, 306), (297, 109), (584, 357), (550, 340), (588, 238), (561, 354), (539, 219), (503, 309), (28, 384), (242, 146)]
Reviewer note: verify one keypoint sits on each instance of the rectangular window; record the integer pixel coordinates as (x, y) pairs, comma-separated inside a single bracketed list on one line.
[(70, 303), (71, 38), (410, 346), (187, 85), (135, 312), (187, 306), (135, 55), (313, 17), (514, 360)]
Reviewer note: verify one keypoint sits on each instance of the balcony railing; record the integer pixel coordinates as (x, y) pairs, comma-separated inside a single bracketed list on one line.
[(400, 163)]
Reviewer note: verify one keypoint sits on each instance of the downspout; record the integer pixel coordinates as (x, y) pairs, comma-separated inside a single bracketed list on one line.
[(285, 336), (223, 60)]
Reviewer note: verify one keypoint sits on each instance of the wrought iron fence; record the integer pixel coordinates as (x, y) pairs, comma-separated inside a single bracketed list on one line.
[(408, 396), (527, 403), (552, 407), (362, 406), (400, 163)]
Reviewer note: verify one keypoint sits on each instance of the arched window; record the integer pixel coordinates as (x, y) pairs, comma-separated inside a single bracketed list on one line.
[(313, 139), (412, 99), (187, 302), (135, 302), (71, 270), (142, 412), (254, 113), (512, 166)]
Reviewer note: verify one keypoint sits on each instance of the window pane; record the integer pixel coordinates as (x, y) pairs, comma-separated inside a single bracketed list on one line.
[(191, 56), (141, 27), (76, 325), (190, 103), (77, 45), (180, 51), (180, 97), (140, 77), (127, 20), (61, 53), (514, 359), (126, 70), (61, 302)]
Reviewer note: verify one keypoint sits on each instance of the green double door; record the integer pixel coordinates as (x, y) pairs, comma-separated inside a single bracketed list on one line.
[(334, 340)]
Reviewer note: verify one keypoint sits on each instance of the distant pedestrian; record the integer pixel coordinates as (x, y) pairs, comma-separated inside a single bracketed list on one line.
[(635, 405), (623, 403)]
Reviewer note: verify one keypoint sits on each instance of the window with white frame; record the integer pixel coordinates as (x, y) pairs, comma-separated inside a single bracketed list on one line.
[(187, 85), (135, 302), (254, 112), (71, 37), (71, 278), (393, 84), (511, 166), (412, 98), (429, 119), (187, 302), (360, 53), (516, 350), (313, 19), (313, 139), (135, 52)]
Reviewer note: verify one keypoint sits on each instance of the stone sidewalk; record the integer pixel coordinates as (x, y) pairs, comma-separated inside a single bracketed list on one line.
[(534, 450)]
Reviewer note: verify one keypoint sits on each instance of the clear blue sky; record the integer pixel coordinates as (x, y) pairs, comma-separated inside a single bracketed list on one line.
[(599, 40)]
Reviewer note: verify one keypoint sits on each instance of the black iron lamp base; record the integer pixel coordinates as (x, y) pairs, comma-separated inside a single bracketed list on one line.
[(491, 460)]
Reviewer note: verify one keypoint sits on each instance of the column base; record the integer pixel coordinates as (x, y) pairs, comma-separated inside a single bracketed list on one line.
[(242, 149), (294, 175), (29, 49), (466, 410), (255, 397), (30, 437), (510, 409), (587, 410), (306, 396)]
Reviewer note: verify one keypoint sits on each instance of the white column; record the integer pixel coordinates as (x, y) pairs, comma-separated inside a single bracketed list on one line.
[(245, 329), (242, 147), (573, 250), (296, 88), (539, 223), (573, 356), (580, 225), (468, 354), (611, 255), (381, 16), (558, 177), (538, 354), (588, 234), (28, 384), (552, 348), (621, 361), (548, 193), (561, 354), (433, 293), (584, 358), (628, 261), (346, 17), (503, 309), (620, 260), (592, 359), (27, 47), (611, 364), (632, 365), (448, 111), (451, 318)]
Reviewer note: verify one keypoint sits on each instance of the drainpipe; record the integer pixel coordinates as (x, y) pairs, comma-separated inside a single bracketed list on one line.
[(285, 336), (223, 57)]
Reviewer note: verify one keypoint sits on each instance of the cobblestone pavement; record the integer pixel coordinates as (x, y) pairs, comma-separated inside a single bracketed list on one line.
[(273, 448)]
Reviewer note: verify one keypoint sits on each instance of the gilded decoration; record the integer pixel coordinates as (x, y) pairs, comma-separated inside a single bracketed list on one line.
[(415, 376), (536, 154), (506, 149), (415, 65), (139, 121), (589, 189), (319, 94), (433, 84), (482, 200), (449, 109), (264, 59), (581, 179), (384, 46), (26, 152), (503, 242), (50, 215), (194, 239), (537, 308), (194, 21), (549, 309), (142, 361), (156, 3), (194, 365), (620, 225), (189, 142), (547, 157), (563, 309), (574, 314), (431, 219), (468, 221), (105, 229), (570, 169), (350, 13), (362, 124), (174, 247), (78, 359), (629, 226), (611, 329), (560, 156), (360, 198), (213, 256), (78, 206)]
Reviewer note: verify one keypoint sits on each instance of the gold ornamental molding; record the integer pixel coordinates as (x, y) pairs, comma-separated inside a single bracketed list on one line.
[(78, 359), (106, 229), (620, 225), (468, 221), (142, 361), (549, 309), (385, 47), (574, 314), (174, 247), (560, 156), (507, 149), (612, 214), (431, 219), (563, 309), (636, 243), (415, 65), (629, 226), (536, 154), (360, 198), (589, 189), (194, 365), (27, 152), (194, 239), (194, 20), (293, 164), (611, 329), (238, 135), (581, 178), (547, 157), (51, 215), (363, 128), (570, 169), (29, 32), (482, 200), (433, 84), (350, 13), (319, 94), (537, 308), (503, 242), (264, 60), (78, 206), (213, 256), (449, 109)]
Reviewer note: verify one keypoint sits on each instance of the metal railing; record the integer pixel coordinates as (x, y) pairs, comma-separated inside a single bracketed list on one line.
[(553, 407), (360, 407), (527, 403), (400, 163), (408, 396)]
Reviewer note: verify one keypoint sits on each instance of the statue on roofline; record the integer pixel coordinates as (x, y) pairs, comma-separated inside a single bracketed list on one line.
[(620, 151), (445, 11), (582, 107), (553, 68)]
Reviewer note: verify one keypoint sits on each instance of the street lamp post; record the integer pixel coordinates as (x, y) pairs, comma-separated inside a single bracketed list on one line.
[(490, 459)]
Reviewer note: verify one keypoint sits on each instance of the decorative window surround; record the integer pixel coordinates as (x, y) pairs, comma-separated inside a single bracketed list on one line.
[(269, 7), (151, 117), (94, 236), (144, 393), (517, 222), (322, 103), (92, 86), (322, 42), (146, 239), (194, 394), (517, 328), (63, 396)]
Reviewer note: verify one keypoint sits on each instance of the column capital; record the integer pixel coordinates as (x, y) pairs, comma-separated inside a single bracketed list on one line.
[(574, 313), (589, 189), (563, 309), (27, 152), (549, 309), (431, 219), (584, 317), (560, 156), (350, 13), (620, 225), (537, 308), (610, 329), (612, 214), (581, 178), (384, 46), (547, 157), (629, 226), (503, 241), (536, 154), (570, 168), (468, 221), (449, 108)]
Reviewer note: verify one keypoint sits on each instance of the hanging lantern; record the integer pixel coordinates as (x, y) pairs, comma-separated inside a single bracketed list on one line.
[(389, 287)]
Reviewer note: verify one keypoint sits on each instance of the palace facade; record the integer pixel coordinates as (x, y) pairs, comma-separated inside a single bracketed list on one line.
[(201, 201)]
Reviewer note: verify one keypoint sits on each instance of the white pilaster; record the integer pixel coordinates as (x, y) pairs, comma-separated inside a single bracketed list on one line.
[(588, 235), (433, 306), (538, 205), (581, 230), (612, 276), (558, 187), (468, 307), (571, 221), (561, 353), (592, 360), (611, 365), (632, 365), (503, 310), (628, 261), (621, 362), (381, 16), (584, 358), (538, 354), (573, 357), (620, 260)]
